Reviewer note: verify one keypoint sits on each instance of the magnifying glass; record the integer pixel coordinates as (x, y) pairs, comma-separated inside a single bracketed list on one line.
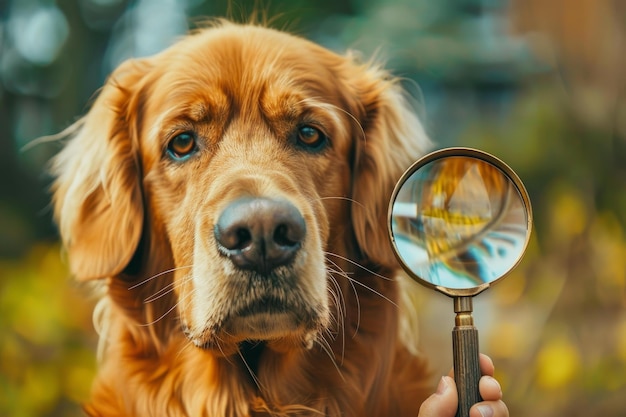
[(459, 221)]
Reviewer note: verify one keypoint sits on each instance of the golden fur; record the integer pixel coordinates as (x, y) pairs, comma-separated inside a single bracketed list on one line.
[(173, 341)]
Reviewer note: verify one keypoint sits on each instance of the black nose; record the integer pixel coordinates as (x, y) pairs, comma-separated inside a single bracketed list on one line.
[(260, 234)]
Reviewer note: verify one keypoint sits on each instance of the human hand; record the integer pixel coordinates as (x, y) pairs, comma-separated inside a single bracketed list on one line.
[(445, 401)]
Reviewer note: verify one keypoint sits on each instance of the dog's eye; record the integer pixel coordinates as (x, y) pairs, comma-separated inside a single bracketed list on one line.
[(182, 146), (311, 137)]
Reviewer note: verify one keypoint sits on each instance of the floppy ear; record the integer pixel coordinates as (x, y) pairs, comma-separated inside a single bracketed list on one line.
[(97, 193), (393, 139)]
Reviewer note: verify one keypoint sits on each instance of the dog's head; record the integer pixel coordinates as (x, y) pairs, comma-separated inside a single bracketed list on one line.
[(231, 168)]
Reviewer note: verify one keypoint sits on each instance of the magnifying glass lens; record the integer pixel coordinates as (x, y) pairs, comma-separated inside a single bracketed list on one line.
[(459, 222)]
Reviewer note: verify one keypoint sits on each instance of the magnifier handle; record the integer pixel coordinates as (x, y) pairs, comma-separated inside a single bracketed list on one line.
[(466, 367)]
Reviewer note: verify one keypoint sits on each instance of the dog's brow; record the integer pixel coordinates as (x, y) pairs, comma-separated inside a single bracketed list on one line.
[(281, 105), (200, 111)]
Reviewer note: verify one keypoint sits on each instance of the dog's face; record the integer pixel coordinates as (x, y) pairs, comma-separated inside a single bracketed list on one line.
[(253, 157), (246, 162)]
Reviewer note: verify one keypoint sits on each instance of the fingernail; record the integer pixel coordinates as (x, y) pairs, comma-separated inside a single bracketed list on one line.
[(495, 383), (442, 387), (485, 411)]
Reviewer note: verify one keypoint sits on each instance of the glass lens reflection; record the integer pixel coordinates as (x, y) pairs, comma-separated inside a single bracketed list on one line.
[(459, 222)]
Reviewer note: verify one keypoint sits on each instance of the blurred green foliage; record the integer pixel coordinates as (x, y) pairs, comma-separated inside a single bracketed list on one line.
[(556, 327), (47, 351)]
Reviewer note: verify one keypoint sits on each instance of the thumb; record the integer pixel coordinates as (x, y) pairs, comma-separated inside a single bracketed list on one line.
[(442, 403)]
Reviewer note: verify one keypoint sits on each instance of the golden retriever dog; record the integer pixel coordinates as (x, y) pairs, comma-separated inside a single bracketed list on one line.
[(230, 194)]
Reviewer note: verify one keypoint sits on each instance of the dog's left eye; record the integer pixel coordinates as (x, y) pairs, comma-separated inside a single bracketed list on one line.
[(182, 146), (311, 137)]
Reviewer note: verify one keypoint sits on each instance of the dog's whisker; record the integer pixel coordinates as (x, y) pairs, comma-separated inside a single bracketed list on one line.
[(165, 290), (337, 296), (341, 312), (256, 380), (323, 343), (352, 280), (351, 200), (356, 297), (162, 316), (182, 308), (358, 306), (339, 271), (186, 346), (314, 102), (373, 291), (219, 347), (182, 325), (359, 265), (161, 293), (160, 274)]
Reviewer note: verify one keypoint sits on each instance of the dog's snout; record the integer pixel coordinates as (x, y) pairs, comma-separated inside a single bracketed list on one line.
[(260, 233)]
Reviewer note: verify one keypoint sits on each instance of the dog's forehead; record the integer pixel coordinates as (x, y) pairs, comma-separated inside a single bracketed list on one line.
[(245, 61), (249, 70)]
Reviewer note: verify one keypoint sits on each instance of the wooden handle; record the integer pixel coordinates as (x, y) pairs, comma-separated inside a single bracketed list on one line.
[(466, 367)]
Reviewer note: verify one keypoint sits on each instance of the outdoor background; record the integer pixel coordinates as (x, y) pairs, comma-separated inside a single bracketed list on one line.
[(540, 84)]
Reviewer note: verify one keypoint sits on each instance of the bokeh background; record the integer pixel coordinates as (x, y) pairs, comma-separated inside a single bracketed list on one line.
[(541, 84)]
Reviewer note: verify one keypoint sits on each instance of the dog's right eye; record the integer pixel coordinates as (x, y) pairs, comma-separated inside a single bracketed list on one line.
[(311, 138), (182, 146)]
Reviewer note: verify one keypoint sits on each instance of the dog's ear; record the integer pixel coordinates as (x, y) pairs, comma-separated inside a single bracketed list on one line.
[(392, 138), (97, 189)]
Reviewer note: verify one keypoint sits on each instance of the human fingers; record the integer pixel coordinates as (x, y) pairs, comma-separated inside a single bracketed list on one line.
[(486, 365), (489, 388), (492, 404), (489, 409), (442, 403)]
